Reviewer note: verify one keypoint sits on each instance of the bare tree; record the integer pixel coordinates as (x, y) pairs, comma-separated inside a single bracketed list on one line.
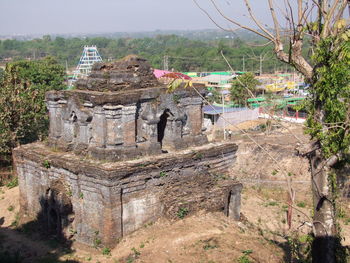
[(313, 21)]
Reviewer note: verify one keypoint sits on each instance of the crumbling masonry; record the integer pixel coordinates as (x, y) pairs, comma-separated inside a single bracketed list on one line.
[(122, 152)]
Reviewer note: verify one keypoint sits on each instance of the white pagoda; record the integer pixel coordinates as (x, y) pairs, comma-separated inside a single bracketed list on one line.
[(88, 58)]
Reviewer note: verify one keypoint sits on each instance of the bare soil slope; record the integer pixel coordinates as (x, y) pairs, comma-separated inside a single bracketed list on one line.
[(261, 236)]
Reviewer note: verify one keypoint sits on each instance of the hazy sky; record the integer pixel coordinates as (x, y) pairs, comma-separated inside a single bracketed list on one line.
[(88, 16)]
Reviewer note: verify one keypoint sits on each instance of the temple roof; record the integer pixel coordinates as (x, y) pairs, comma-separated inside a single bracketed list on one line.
[(128, 73)]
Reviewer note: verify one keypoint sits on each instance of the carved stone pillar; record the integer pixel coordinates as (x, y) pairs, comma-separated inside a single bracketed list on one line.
[(83, 133), (194, 115), (114, 125), (56, 115), (99, 130), (128, 123)]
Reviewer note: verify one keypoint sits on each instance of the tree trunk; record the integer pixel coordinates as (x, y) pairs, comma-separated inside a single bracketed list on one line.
[(324, 227)]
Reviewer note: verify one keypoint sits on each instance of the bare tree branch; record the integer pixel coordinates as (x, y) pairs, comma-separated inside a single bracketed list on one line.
[(258, 23), (236, 23), (328, 19), (339, 15), (275, 21), (209, 16)]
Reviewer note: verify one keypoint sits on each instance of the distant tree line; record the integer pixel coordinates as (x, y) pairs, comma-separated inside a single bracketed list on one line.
[(184, 54)]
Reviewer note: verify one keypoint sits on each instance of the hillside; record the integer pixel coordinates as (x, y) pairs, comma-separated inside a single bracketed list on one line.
[(261, 236)]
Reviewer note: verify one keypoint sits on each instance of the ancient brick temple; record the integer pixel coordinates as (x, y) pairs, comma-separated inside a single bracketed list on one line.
[(123, 151)]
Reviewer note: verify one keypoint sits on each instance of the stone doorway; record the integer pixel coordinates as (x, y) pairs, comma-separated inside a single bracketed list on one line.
[(57, 211)]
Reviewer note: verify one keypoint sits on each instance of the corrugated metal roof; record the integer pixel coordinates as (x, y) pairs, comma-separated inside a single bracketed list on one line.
[(216, 78), (215, 110)]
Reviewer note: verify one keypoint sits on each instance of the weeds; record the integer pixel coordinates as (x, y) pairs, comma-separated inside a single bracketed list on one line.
[(182, 212), (15, 223), (97, 242), (136, 252), (46, 164), (210, 244), (69, 193), (198, 156), (163, 174), (220, 177), (300, 247), (347, 221), (176, 98), (301, 204), (245, 257), (72, 231), (10, 208), (271, 203), (148, 224), (132, 258), (284, 208), (106, 251), (13, 183)]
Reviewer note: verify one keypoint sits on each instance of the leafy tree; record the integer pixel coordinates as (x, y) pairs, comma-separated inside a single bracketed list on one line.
[(243, 88), (23, 115), (1, 75), (325, 24), (215, 96)]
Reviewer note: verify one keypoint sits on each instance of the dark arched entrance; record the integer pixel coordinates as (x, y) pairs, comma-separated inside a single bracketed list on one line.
[(162, 125), (57, 210)]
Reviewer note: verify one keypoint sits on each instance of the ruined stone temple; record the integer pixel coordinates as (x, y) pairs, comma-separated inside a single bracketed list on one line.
[(122, 152)]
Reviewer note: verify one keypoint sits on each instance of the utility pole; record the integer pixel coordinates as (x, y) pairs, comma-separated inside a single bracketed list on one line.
[(67, 67), (243, 64), (223, 112), (260, 65), (166, 63)]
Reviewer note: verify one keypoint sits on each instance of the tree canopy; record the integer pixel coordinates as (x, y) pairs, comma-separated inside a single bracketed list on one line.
[(23, 114), (243, 88), (331, 95), (184, 54)]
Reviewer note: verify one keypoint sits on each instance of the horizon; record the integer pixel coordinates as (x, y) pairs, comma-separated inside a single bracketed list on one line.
[(45, 17)]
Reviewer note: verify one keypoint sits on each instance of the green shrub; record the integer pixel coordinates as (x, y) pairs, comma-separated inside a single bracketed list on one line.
[(301, 204), (46, 164), (13, 183), (245, 257), (182, 212), (23, 113), (97, 242), (162, 174), (106, 251)]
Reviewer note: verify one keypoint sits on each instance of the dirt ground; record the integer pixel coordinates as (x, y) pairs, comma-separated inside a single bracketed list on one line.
[(209, 238), (200, 238), (261, 236)]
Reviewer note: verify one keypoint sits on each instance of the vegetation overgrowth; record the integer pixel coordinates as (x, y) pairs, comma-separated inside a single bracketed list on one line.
[(330, 93), (23, 113), (184, 54)]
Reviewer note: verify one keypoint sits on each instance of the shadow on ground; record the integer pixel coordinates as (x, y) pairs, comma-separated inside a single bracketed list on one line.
[(42, 240), (320, 250)]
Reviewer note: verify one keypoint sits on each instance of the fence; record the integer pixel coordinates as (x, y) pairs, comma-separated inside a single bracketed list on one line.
[(285, 115), (235, 117)]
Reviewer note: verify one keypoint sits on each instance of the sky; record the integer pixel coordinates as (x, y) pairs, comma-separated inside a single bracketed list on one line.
[(101, 16)]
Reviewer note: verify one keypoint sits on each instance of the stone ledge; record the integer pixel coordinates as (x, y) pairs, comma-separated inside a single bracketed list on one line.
[(39, 152)]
